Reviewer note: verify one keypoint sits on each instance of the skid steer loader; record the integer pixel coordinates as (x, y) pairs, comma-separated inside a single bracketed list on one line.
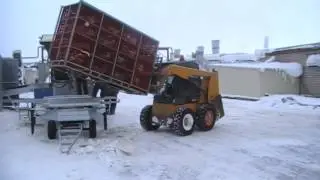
[(188, 97)]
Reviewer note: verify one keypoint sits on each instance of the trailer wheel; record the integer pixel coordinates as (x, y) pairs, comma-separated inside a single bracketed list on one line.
[(52, 129), (183, 122), (206, 117), (146, 119), (92, 128)]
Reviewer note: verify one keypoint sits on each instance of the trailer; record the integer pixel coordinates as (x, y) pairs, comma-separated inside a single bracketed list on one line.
[(88, 47), (68, 116)]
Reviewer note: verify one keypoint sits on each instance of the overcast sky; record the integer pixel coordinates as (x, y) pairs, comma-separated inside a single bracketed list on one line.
[(185, 24)]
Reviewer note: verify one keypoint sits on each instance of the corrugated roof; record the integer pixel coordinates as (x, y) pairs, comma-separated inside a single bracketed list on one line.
[(298, 47)]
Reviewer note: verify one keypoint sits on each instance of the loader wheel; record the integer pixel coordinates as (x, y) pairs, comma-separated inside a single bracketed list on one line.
[(92, 129), (206, 118), (146, 119), (52, 129), (183, 122)]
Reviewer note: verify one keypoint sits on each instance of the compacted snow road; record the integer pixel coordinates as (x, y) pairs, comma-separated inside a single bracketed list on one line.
[(274, 138)]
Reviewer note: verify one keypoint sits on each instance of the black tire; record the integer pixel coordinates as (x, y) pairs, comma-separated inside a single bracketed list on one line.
[(52, 129), (92, 129), (146, 119), (203, 113), (178, 122)]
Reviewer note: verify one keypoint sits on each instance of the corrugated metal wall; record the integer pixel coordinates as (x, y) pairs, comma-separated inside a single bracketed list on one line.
[(278, 82), (293, 57), (299, 57), (254, 83), (311, 81), (238, 82)]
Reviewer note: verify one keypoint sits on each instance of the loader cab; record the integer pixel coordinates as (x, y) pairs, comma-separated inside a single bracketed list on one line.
[(176, 90)]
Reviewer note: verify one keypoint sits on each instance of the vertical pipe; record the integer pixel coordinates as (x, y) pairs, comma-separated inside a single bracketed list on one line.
[(105, 120), (42, 56), (32, 118)]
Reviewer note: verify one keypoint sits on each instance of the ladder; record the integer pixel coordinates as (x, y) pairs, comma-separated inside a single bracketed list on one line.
[(68, 135)]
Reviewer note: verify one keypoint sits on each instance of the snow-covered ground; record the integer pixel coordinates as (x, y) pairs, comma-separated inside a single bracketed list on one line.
[(275, 138)]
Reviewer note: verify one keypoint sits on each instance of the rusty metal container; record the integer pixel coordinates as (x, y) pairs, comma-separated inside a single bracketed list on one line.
[(94, 44)]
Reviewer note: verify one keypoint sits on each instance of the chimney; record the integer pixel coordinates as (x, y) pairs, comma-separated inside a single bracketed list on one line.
[(215, 46), (176, 53), (200, 51)]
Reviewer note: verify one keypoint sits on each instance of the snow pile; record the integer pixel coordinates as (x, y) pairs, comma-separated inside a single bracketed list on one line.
[(278, 101), (293, 69), (313, 60), (271, 59)]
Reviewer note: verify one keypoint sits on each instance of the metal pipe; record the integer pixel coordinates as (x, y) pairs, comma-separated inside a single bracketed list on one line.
[(38, 53), (42, 56)]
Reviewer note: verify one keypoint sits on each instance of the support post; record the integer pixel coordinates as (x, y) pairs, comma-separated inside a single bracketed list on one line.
[(105, 122)]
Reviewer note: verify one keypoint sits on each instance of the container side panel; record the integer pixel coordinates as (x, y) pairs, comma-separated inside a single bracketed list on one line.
[(122, 74), (111, 26), (90, 15), (103, 48), (145, 61), (131, 36), (106, 54), (108, 40), (101, 66), (63, 31), (149, 46), (79, 57)]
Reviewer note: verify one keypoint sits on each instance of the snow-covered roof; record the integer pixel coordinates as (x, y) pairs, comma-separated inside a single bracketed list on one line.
[(227, 57), (303, 46), (238, 57), (46, 38), (313, 60), (293, 69)]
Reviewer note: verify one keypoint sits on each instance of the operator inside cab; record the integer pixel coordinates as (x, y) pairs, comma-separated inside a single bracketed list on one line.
[(178, 90), (167, 88)]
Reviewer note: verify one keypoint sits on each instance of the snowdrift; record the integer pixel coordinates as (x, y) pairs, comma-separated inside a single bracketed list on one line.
[(291, 100), (313, 60)]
